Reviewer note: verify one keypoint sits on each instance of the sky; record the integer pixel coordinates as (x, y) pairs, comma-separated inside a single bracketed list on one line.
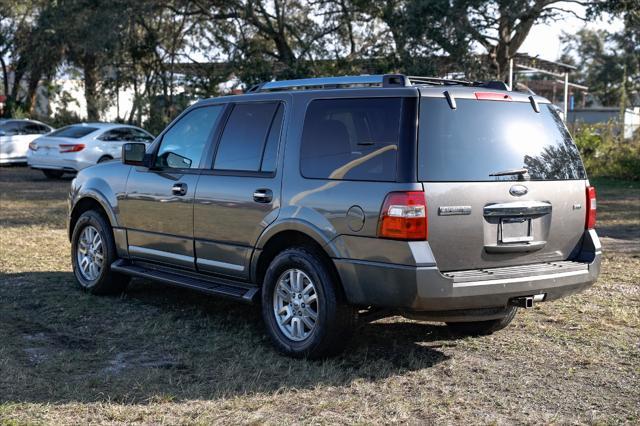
[(544, 39)]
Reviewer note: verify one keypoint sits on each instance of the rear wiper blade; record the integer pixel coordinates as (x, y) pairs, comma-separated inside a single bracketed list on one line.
[(511, 172)]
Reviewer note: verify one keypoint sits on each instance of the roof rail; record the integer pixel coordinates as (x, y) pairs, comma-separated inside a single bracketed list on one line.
[(380, 80), (493, 84), (414, 79), (386, 80)]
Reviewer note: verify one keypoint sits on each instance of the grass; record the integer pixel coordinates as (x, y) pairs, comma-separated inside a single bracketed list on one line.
[(165, 355)]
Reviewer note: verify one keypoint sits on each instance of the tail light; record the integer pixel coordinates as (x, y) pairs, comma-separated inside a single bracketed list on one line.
[(404, 216), (33, 146), (590, 222), (72, 147)]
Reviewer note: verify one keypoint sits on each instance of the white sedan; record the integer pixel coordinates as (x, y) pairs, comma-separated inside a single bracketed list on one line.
[(15, 136), (72, 148)]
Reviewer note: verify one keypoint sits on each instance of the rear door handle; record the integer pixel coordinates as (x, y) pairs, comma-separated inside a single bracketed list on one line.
[(179, 189), (262, 195)]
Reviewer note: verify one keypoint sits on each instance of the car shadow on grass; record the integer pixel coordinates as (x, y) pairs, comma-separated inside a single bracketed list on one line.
[(61, 344)]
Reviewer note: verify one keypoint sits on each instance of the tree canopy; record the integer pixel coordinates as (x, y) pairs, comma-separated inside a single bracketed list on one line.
[(158, 46)]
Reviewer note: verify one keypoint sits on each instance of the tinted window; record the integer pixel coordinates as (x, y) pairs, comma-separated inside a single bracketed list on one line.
[(73, 132), (270, 156), (354, 139), (243, 140), (137, 135), (116, 135), (11, 128), (35, 129), (183, 144), (484, 137)]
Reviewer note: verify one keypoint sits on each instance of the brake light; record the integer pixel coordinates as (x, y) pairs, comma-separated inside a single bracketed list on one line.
[(403, 216), (33, 146), (72, 147), (590, 222), (492, 96)]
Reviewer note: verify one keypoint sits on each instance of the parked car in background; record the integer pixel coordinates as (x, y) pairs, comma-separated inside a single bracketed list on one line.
[(15, 136), (72, 148)]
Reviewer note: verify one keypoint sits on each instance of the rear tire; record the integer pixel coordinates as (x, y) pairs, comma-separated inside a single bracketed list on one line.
[(93, 250), (103, 159), (53, 174), (303, 288), (482, 328)]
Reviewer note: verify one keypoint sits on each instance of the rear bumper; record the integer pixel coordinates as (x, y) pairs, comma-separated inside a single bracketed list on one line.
[(425, 289), (12, 160), (53, 163)]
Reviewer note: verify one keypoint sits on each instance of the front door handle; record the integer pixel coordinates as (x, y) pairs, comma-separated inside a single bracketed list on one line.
[(262, 195), (179, 189)]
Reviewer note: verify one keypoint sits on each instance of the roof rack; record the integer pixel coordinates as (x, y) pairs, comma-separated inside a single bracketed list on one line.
[(380, 80), (387, 80), (415, 80)]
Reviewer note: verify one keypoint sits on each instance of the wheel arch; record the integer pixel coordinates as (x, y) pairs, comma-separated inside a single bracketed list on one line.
[(293, 236), (86, 203)]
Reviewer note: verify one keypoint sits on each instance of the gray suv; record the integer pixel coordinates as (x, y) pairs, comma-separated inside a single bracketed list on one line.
[(339, 200)]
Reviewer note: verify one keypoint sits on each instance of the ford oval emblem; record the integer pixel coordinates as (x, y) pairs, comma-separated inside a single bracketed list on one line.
[(518, 190)]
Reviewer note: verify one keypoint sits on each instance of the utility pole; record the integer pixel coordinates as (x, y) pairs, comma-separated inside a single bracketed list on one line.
[(566, 95), (511, 74)]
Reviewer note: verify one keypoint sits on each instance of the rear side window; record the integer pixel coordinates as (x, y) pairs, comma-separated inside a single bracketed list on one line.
[(245, 136), (481, 138), (73, 132), (270, 156), (137, 135), (116, 135), (351, 139)]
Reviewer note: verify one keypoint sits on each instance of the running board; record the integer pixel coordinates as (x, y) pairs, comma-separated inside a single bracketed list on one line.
[(213, 286)]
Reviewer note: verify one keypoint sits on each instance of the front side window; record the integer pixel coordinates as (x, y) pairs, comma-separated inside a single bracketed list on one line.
[(10, 128), (183, 144), (351, 139), (245, 136)]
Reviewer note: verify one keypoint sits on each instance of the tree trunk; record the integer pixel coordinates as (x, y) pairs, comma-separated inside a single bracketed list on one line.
[(5, 76), (90, 69), (32, 92), (5, 81)]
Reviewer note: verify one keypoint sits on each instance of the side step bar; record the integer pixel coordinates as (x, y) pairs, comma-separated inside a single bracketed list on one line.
[(213, 286)]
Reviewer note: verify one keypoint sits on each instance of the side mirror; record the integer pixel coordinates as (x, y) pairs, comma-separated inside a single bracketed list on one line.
[(134, 154)]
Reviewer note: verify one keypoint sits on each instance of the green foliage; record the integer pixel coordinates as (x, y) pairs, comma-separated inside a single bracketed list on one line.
[(606, 64), (606, 153), (19, 112)]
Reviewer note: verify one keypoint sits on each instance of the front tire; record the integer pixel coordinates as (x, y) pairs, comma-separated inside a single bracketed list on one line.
[(93, 250), (482, 328), (53, 174), (304, 313)]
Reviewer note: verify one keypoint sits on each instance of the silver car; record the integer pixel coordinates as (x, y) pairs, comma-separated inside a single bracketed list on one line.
[(339, 200), (15, 136), (72, 148)]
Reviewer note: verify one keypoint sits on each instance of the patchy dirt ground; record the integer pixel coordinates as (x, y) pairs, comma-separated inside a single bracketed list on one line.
[(164, 355)]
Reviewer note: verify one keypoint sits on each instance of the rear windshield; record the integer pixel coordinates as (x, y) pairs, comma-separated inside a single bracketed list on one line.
[(73, 132), (481, 138)]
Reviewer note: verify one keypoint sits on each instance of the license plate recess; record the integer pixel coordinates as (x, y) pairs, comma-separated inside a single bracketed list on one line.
[(515, 230)]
